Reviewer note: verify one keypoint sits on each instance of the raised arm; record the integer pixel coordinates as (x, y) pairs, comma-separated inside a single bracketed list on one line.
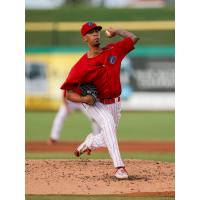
[(111, 32)]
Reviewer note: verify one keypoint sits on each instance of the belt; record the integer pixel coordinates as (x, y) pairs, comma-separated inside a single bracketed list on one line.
[(110, 101)]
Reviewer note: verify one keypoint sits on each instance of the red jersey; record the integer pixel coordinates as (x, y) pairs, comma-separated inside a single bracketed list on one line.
[(103, 70)]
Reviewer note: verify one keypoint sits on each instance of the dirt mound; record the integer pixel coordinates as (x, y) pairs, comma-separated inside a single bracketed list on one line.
[(96, 177)]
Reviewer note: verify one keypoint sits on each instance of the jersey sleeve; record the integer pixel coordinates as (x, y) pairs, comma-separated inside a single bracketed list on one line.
[(73, 80), (124, 46)]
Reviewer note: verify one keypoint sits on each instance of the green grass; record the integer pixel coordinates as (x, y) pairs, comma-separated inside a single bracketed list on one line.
[(133, 126), (73, 38), (100, 14), (74, 197), (164, 157)]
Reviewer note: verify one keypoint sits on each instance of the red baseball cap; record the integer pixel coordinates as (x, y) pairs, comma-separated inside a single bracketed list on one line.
[(89, 26)]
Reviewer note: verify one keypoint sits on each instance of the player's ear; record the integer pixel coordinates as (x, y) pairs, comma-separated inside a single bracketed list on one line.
[(85, 38)]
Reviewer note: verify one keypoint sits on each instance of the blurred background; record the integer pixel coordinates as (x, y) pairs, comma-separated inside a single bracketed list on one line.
[(54, 44)]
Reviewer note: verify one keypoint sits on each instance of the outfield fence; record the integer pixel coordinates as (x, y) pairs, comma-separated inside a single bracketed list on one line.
[(75, 26)]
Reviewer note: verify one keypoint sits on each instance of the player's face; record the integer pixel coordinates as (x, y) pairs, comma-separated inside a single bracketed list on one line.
[(93, 37)]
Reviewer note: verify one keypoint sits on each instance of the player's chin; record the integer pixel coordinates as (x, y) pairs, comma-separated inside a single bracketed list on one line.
[(96, 43)]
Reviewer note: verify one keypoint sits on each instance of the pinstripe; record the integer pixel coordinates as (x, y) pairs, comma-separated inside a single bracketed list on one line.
[(111, 107), (116, 112), (115, 115), (110, 131), (106, 135), (113, 136), (99, 113), (112, 139)]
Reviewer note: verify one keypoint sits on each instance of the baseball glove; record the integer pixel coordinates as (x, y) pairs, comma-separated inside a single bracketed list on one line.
[(89, 89)]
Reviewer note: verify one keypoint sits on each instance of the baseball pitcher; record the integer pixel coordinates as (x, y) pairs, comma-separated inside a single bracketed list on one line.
[(94, 81)]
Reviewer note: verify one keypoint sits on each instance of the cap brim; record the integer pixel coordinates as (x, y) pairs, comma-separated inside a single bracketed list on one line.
[(99, 27)]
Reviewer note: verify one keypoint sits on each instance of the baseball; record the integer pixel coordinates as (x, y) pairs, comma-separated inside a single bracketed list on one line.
[(108, 34)]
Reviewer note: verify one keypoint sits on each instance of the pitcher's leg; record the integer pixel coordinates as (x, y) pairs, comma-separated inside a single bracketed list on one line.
[(105, 120), (96, 139), (116, 112), (95, 127)]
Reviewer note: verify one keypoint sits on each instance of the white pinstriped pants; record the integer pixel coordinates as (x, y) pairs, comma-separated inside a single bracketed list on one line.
[(107, 118), (63, 114)]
